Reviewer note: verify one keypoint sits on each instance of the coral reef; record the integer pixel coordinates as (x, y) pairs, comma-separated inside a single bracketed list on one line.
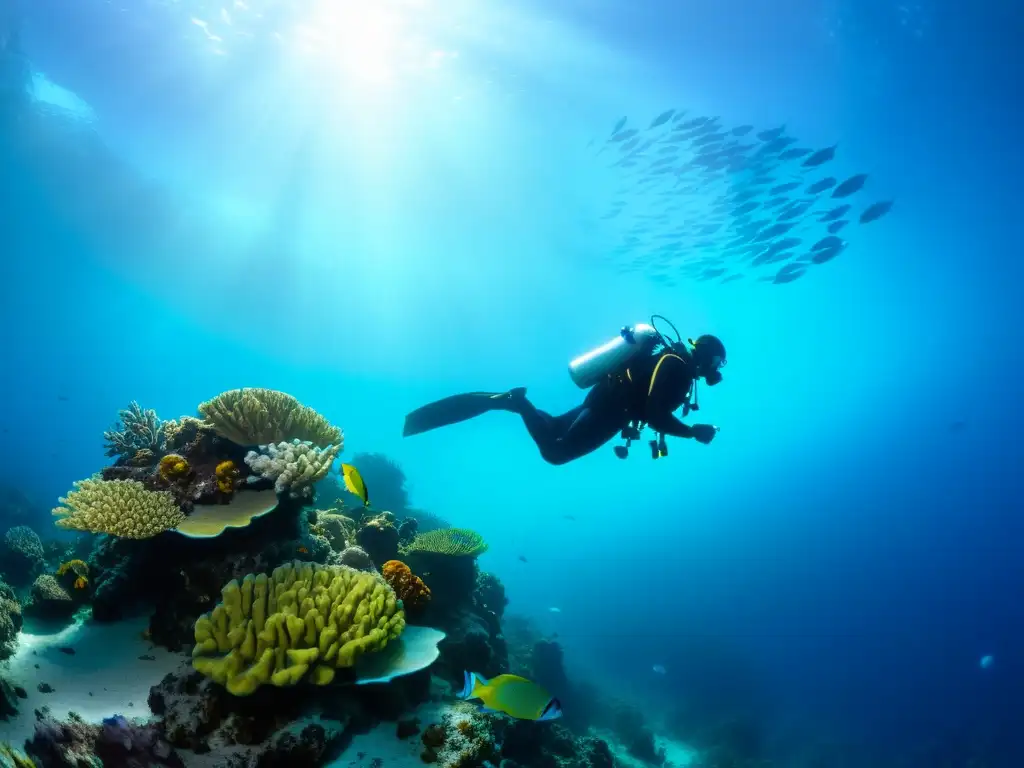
[(293, 467), (49, 600), (258, 416), (302, 619), (379, 537), (173, 467), (549, 745), (209, 521), (22, 555), (453, 542), (14, 758), (138, 431), (227, 475), (356, 557), (208, 479), (337, 528), (122, 508), (118, 741), (463, 739), (410, 588), (10, 621)]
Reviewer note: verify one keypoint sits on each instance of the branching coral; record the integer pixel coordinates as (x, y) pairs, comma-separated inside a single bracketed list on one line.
[(261, 416), (173, 467), (138, 430), (410, 588), (121, 508), (302, 622), (455, 542), (294, 467)]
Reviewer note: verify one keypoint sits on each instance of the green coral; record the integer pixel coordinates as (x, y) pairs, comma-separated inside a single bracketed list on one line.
[(302, 622), (455, 542), (124, 508), (256, 416), (10, 757)]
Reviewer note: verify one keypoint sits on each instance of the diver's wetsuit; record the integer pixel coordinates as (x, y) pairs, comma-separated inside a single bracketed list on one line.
[(649, 392)]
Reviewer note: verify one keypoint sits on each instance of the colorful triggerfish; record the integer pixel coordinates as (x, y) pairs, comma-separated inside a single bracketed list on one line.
[(354, 483), (515, 696)]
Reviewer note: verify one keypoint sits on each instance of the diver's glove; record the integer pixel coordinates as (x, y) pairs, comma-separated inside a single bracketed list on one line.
[(703, 433)]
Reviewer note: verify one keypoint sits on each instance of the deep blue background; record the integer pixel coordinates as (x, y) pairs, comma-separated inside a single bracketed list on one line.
[(848, 549)]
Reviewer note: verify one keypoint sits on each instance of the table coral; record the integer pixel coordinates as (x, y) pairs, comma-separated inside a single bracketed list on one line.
[(256, 416), (410, 588), (122, 508), (302, 622), (454, 542), (294, 467)]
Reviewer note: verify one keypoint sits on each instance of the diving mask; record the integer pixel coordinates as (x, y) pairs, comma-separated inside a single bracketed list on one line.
[(713, 372)]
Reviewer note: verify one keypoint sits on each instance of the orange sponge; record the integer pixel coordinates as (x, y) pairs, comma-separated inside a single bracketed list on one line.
[(410, 589)]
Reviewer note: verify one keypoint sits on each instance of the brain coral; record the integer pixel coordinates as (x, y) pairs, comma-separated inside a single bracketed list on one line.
[(260, 416), (121, 508), (302, 622)]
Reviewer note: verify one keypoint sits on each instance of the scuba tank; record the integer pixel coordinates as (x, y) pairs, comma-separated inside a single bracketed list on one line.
[(614, 356)]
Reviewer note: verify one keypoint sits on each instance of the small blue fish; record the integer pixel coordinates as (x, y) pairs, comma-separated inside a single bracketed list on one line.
[(820, 157), (875, 211)]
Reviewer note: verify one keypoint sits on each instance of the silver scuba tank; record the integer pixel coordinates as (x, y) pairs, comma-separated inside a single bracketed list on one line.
[(613, 356)]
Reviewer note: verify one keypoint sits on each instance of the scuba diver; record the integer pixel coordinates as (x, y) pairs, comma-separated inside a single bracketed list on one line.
[(636, 380)]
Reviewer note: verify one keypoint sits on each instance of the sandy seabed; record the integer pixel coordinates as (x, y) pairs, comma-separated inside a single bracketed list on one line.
[(105, 676)]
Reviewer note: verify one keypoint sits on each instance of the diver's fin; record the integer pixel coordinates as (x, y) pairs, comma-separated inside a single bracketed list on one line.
[(452, 410)]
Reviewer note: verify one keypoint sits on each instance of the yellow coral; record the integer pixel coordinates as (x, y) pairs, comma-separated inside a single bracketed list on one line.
[(77, 567), (226, 474), (81, 582), (300, 623), (118, 507), (173, 467), (262, 416), (11, 756)]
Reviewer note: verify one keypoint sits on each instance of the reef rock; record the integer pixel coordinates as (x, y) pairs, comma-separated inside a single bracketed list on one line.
[(74, 743)]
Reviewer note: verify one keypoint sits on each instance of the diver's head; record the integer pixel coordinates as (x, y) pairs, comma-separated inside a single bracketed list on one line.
[(709, 358)]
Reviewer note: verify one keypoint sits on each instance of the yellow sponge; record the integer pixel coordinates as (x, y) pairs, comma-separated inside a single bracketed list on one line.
[(300, 623)]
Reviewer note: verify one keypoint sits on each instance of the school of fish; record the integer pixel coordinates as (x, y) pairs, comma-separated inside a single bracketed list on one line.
[(699, 200)]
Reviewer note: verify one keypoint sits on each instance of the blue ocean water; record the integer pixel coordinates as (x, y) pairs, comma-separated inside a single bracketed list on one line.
[(373, 209)]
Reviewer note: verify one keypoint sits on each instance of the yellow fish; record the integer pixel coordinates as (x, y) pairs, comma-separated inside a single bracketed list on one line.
[(515, 696), (354, 483)]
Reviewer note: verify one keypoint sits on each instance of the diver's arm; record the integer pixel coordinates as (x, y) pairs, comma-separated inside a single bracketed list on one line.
[(668, 424)]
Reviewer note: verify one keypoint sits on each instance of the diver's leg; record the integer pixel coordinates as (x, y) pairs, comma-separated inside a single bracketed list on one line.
[(575, 433)]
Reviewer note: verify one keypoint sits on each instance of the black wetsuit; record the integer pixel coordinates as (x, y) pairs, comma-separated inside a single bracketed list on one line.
[(649, 392)]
